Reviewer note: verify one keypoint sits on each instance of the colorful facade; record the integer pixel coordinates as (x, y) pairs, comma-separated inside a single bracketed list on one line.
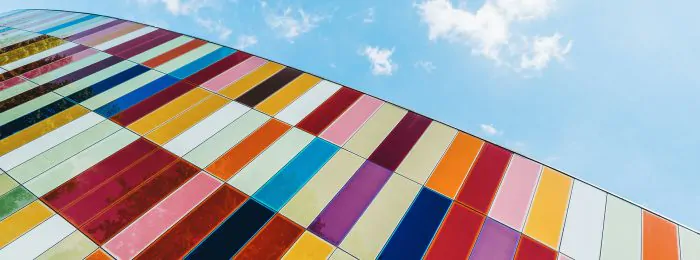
[(122, 140)]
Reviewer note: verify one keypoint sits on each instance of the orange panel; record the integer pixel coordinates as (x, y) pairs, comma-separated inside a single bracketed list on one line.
[(659, 238), (454, 165)]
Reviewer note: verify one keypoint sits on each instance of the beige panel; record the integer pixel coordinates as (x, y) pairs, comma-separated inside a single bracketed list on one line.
[(375, 130), (423, 157)]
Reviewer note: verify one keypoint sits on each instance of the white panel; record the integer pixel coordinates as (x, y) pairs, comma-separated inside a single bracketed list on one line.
[(51, 139), (622, 232), (690, 244), (200, 132), (301, 107), (38, 240), (38, 56), (125, 38), (583, 230)]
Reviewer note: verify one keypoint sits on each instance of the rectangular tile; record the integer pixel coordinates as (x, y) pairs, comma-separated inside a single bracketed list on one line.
[(529, 249), (515, 195), (114, 41), (93, 30), (319, 191), (689, 243), (260, 170), (272, 241), (74, 246), (24, 220), (202, 62), (121, 89), (39, 239), (583, 232), (186, 119), (186, 58), (6, 183), (622, 231), (426, 153), (285, 96), (457, 234), (14, 200), (174, 53), (151, 103), (136, 237), (193, 228), (548, 211), (329, 110), (85, 55), (372, 230), (159, 50), (290, 179), (235, 232), (34, 117), (309, 246), (496, 242), (417, 228), (339, 216), (169, 110), (377, 127), (304, 105), (151, 43), (659, 237), (233, 74), (134, 97), (266, 88), (250, 80), (480, 187)]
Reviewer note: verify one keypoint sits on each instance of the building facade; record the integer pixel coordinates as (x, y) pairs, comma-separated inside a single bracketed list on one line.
[(123, 140)]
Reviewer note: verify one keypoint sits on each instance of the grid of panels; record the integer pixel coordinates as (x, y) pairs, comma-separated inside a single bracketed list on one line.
[(121, 140)]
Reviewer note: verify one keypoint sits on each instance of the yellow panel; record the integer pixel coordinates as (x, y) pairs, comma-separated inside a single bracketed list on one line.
[(546, 218), (169, 110), (288, 94), (35, 131), (30, 49), (309, 246), (174, 127), (25, 219), (251, 80)]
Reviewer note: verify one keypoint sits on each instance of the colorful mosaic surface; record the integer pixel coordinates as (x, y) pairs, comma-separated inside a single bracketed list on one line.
[(121, 140)]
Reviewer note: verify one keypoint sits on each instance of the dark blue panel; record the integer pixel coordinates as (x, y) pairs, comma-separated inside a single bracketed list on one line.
[(64, 25), (234, 233), (416, 230), (36, 116), (107, 83), (136, 96), (202, 62)]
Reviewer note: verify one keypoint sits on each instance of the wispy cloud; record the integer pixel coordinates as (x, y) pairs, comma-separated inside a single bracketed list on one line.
[(488, 31), (380, 60), (245, 41), (216, 27), (291, 24), (178, 7), (425, 65), (369, 15), (489, 129)]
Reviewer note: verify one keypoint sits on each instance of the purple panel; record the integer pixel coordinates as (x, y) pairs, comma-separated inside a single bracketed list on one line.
[(336, 220), (495, 242), (93, 30), (399, 142)]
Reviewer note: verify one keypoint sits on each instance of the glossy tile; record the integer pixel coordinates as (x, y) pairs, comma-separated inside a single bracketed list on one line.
[(329, 110), (583, 231), (495, 242), (515, 194), (622, 230), (481, 184), (305, 104), (457, 234), (250, 80), (426, 153), (74, 246), (659, 237), (309, 246), (272, 241), (285, 96), (545, 221)]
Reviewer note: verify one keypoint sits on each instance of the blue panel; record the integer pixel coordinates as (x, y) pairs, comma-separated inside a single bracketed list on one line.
[(5, 29), (36, 116), (64, 25), (234, 233), (287, 182), (202, 62), (108, 83), (413, 235), (136, 96)]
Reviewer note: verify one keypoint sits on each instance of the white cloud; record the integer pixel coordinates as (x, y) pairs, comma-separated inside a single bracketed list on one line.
[(487, 31), (292, 24), (245, 41), (380, 60), (217, 27), (425, 65), (178, 7), (490, 129), (369, 15)]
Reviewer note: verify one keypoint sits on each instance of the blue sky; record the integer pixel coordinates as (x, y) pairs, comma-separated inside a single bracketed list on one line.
[(603, 90)]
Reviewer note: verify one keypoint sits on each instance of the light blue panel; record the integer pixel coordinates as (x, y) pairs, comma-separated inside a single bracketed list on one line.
[(202, 62), (289, 180), (64, 25)]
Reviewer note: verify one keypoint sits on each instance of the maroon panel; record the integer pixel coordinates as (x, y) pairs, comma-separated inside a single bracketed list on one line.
[(112, 190), (136, 41), (529, 249), (153, 102), (98, 173), (327, 112), (93, 30), (399, 142), (191, 229), (217, 68), (148, 45), (480, 186), (42, 62), (117, 217)]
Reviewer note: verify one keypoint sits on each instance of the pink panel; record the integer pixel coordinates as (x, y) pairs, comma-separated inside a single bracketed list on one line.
[(343, 128), (233, 74), (102, 33), (11, 82), (514, 195), (59, 63), (136, 237), (563, 257)]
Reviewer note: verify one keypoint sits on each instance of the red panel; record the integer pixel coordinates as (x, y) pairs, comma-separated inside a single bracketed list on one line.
[(83, 183), (146, 106), (481, 184), (457, 235), (82, 210), (191, 229), (327, 112), (529, 249), (217, 68), (272, 241), (113, 220), (174, 53)]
